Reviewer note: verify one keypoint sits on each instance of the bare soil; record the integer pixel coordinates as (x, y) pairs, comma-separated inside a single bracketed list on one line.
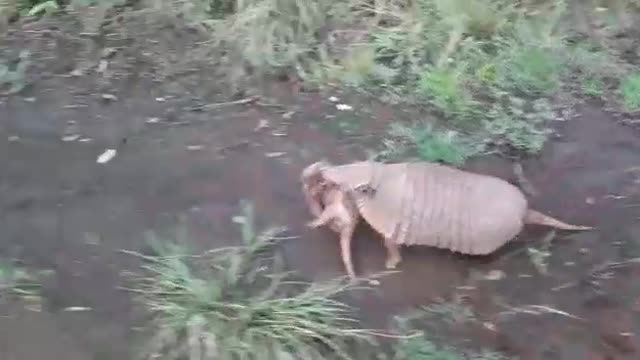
[(63, 211)]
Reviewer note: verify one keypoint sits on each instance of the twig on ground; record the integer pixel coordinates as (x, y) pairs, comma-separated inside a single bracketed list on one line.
[(525, 184)]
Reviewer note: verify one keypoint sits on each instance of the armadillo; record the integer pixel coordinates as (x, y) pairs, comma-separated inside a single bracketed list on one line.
[(334, 207), (422, 203)]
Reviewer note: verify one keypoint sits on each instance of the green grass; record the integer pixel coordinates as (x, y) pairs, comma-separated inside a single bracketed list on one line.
[(424, 142), (18, 282), (423, 347), (630, 90), (13, 76), (592, 86), (236, 303)]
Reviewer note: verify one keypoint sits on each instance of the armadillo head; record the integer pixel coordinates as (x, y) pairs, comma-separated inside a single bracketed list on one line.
[(313, 173)]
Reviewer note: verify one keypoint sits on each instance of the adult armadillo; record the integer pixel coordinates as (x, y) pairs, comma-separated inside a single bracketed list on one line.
[(430, 204)]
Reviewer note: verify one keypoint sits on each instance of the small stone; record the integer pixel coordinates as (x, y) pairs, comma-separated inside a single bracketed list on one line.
[(109, 97), (71, 137), (495, 275), (106, 156), (262, 124), (274, 154), (288, 115)]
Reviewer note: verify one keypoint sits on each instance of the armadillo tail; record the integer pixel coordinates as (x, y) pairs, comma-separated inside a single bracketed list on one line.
[(538, 218)]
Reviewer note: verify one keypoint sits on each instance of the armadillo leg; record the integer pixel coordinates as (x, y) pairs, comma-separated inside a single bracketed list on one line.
[(327, 215), (393, 254), (346, 235), (312, 202)]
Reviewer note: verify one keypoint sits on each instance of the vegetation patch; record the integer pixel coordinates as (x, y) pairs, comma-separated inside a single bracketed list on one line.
[(630, 90), (19, 283), (480, 65), (423, 347), (426, 143), (237, 303)]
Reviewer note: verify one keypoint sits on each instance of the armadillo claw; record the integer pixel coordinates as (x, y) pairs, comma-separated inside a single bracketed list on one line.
[(313, 224), (392, 263)]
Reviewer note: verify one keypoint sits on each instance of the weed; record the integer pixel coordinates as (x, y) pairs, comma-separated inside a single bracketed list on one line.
[(630, 90), (234, 303), (519, 123), (592, 86), (446, 91), (17, 281), (13, 76), (532, 71), (426, 144), (421, 347)]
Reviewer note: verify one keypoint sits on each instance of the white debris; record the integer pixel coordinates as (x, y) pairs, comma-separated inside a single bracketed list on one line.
[(153, 120), (262, 124), (274, 154), (194, 147), (344, 107), (333, 99), (109, 97), (13, 138), (106, 156), (288, 115), (495, 275), (72, 137), (77, 308)]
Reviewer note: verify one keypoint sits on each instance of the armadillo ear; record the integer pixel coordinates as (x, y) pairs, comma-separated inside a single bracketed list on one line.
[(311, 170)]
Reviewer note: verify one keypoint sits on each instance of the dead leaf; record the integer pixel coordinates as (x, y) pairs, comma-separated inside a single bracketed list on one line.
[(274, 154), (72, 137), (288, 115), (495, 275), (102, 66), (106, 156), (109, 97), (77, 308), (262, 124)]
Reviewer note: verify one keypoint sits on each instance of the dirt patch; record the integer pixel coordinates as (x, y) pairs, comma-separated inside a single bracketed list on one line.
[(63, 211)]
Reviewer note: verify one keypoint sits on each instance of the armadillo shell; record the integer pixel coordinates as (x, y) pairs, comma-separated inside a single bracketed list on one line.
[(436, 205)]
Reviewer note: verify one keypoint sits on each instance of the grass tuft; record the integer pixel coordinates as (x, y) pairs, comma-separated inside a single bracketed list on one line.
[(630, 90), (425, 143), (423, 347), (236, 303), (18, 282)]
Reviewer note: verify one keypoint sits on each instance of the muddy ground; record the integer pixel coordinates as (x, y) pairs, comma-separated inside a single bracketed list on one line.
[(62, 211)]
